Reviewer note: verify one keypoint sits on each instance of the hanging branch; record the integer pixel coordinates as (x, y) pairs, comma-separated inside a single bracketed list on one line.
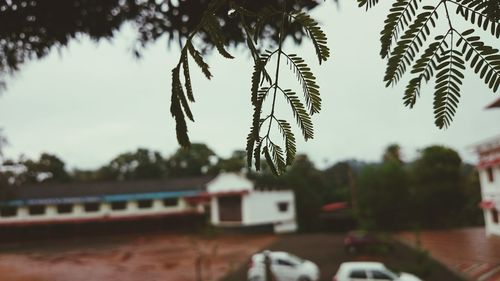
[(406, 31)]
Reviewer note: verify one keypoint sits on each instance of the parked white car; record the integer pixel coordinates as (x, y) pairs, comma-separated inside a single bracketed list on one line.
[(370, 271), (285, 267)]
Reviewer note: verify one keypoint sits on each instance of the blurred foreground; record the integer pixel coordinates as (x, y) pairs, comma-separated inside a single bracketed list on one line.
[(146, 257)]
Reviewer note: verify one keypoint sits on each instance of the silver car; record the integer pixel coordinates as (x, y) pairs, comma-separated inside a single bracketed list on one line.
[(284, 266)]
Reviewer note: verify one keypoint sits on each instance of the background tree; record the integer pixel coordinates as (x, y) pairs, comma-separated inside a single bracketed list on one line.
[(235, 163), (392, 154), (141, 164), (198, 160), (384, 201), (437, 186)]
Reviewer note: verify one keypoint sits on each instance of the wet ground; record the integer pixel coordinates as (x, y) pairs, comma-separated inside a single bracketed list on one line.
[(327, 251), (466, 250), (128, 258)]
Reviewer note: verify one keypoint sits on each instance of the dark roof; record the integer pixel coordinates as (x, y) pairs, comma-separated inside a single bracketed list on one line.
[(72, 189)]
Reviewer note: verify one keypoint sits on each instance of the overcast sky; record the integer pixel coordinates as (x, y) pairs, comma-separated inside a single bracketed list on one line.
[(92, 101)]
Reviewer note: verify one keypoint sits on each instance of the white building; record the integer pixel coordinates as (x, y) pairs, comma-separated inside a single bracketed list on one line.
[(235, 203), (229, 199), (489, 178)]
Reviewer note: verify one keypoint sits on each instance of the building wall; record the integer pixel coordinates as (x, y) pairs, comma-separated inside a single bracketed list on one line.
[(105, 212), (490, 186), (260, 207), (487, 186), (229, 182)]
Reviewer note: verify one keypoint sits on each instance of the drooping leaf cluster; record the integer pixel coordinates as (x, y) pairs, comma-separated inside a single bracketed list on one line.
[(264, 87), (259, 140), (406, 43)]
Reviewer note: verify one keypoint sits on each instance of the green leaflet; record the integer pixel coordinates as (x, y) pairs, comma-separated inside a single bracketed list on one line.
[(299, 112), (424, 69), (447, 89), (317, 35), (408, 45), (289, 139), (400, 14), (199, 60), (187, 76), (308, 81), (367, 3), (484, 60), (212, 27), (176, 110)]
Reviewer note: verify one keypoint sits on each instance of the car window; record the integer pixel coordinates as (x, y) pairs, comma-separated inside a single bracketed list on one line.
[(358, 274), (295, 259), (379, 275), (285, 263)]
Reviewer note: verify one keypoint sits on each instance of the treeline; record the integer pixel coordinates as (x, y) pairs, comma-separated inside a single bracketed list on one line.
[(436, 190)]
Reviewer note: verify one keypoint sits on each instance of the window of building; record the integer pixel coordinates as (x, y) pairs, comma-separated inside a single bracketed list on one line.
[(145, 204), (91, 207), (64, 208), (283, 207), (170, 202), (36, 210), (489, 172), (118, 205), (494, 214), (8, 211)]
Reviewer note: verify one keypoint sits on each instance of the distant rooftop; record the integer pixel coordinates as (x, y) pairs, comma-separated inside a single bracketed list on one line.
[(44, 191)]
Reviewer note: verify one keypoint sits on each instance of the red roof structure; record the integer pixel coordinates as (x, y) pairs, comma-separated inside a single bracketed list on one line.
[(494, 104), (334, 206)]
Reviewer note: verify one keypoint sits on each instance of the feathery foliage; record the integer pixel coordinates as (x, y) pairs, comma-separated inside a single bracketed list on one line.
[(264, 88), (405, 37)]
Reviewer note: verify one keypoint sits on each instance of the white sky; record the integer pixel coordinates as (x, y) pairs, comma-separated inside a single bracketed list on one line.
[(91, 101)]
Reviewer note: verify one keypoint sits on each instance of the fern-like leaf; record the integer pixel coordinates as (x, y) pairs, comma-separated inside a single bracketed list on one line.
[(289, 139), (213, 28), (176, 110), (313, 30), (475, 11), (447, 89), (299, 112), (199, 60), (400, 14), (483, 59), (408, 45), (187, 76), (424, 69), (308, 81), (367, 3), (274, 157)]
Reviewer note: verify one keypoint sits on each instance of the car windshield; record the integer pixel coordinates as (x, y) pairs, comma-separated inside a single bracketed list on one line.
[(392, 273)]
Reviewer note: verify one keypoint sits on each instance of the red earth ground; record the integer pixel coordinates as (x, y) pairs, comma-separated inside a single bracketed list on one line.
[(467, 250), (150, 257)]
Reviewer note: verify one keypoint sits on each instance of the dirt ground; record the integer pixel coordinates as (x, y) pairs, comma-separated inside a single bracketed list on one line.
[(128, 258)]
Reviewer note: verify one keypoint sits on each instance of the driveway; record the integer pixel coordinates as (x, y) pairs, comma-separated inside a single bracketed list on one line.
[(327, 251), (466, 250)]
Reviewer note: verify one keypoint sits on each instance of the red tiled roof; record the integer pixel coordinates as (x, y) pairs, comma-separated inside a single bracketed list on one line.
[(486, 204), (334, 206)]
